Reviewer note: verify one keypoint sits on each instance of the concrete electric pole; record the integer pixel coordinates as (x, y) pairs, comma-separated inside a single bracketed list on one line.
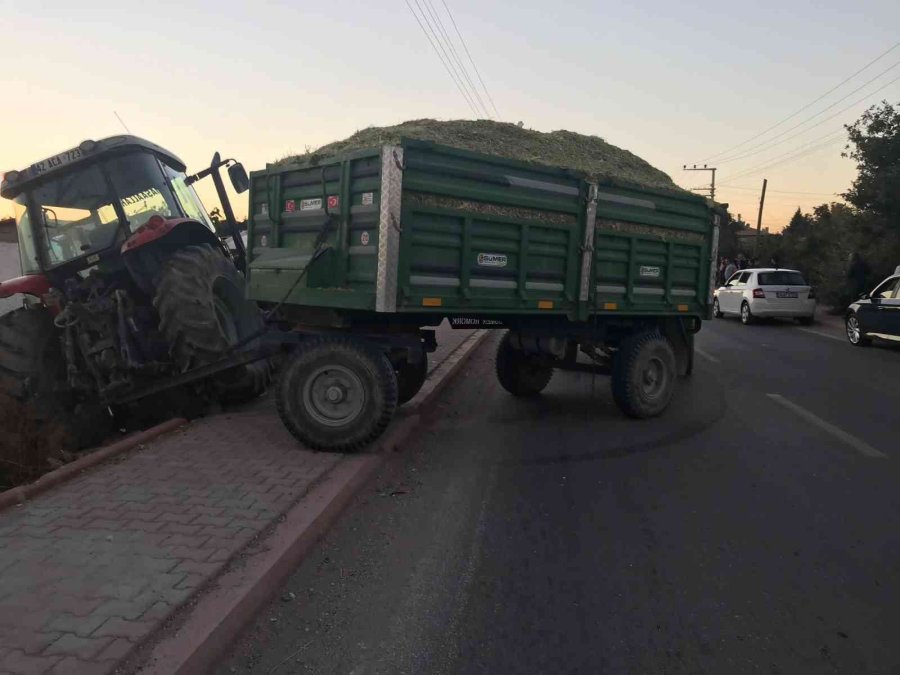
[(762, 200), (712, 169)]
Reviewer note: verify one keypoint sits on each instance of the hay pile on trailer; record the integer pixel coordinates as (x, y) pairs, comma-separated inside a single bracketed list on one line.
[(567, 149)]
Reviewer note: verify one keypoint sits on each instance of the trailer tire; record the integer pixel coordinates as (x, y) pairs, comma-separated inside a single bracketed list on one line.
[(644, 374), (33, 375), (519, 374), (337, 393), (203, 312), (410, 378)]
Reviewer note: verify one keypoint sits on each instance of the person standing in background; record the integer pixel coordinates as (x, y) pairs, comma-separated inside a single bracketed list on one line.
[(730, 269)]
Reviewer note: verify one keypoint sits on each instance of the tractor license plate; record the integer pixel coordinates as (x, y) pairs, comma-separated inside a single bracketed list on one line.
[(786, 294)]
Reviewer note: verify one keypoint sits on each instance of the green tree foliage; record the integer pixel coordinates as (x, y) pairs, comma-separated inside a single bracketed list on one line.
[(820, 243), (875, 138)]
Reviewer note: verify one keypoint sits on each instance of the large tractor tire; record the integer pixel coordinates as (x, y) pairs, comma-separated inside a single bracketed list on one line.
[(33, 377), (203, 313), (337, 393), (644, 374), (519, 374)]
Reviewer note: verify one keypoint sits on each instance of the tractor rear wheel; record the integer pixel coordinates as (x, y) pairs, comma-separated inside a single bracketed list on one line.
[(33, 376), (203, 313)]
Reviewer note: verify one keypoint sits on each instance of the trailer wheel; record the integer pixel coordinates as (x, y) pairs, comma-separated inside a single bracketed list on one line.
[(202, 313), (519, 374), (33, 375), (337, 393), (410, 378), (644, 373)]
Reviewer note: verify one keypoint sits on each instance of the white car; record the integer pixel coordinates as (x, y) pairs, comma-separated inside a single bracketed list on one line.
[(766, 292)]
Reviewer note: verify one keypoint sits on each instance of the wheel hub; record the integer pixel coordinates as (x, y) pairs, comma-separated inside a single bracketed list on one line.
[(334, 395), (653, 378), (853, 330)]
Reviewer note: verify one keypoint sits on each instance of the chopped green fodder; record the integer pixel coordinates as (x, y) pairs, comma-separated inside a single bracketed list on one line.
[(589, 154)]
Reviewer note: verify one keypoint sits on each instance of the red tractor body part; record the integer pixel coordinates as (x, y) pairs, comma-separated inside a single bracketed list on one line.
[(155, 229), (31, 284)]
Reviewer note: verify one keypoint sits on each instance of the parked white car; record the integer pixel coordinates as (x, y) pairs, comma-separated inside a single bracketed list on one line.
[(766, 292)]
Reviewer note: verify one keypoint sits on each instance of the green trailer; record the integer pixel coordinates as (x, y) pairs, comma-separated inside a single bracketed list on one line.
[(358, 255)]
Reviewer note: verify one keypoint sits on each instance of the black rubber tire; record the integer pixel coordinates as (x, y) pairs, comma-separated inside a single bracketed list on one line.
[(746, 317), (320, 357), (716, 312), (862, 341), (203, 312), (629, 374), (519, 374), (410, 378), (33, 373)]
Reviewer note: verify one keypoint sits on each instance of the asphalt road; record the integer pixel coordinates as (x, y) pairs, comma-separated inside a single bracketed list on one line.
[(752, 528)]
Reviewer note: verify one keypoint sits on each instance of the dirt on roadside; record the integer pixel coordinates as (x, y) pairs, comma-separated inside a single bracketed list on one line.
[(28, 447)]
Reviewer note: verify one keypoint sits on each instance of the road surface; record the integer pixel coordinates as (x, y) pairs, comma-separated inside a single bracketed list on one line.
[(751, 529)]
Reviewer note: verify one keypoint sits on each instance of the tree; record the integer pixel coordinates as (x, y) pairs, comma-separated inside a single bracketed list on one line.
[(875, 138), (799, 225)]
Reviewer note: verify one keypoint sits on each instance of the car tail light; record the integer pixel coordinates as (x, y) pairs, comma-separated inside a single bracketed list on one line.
[(759, 293), (812, 293)]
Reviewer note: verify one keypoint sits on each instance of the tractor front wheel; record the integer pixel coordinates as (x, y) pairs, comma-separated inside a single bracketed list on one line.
[(203, 313)]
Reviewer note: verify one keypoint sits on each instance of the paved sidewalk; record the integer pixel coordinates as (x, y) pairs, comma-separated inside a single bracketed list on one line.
[(95, 566)]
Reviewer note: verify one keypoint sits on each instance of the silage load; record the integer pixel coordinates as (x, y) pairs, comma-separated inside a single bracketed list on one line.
[(567, 149)]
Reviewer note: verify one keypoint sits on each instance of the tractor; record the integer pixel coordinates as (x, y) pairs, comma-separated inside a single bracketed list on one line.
[(132, 297)]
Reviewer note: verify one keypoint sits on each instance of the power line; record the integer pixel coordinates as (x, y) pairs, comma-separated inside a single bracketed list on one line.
[(443, 62), (457, 63), (789, 192), (820, 122), (769, 142), (447, 57), (807, 106), (471, 60), (788, 157)]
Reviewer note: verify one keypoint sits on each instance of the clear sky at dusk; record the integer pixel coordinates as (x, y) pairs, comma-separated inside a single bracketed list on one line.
[(673, 82)]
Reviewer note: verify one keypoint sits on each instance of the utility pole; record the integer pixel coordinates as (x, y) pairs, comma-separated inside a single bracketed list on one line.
[(712, 169), (762, 200)]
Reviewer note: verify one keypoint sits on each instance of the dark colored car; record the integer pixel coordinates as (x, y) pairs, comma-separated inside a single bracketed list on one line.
[(876, 314)]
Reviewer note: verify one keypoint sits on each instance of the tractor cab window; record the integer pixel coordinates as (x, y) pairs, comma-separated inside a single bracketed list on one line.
[(78, 211), (75, 217), (141, 188), (190, 202)]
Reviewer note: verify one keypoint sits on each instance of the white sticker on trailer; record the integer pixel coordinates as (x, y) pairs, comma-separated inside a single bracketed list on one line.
[(492, 259), (310, 204), (368, 198), (652, 272)]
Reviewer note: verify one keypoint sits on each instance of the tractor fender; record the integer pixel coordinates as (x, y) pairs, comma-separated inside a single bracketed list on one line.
[(146, 251), (31, 284)]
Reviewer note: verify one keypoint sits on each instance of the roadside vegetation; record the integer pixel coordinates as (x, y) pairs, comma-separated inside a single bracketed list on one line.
[(820, 243)]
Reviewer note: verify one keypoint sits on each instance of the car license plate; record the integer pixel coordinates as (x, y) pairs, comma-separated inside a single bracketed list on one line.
[(786, 294)]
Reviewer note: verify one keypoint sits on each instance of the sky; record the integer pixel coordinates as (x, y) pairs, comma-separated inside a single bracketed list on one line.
[(675, 83)]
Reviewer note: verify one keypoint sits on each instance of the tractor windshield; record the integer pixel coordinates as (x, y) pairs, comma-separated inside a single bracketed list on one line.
[(93, 207)]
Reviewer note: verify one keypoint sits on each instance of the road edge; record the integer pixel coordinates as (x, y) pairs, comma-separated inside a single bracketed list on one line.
[(236, 596)]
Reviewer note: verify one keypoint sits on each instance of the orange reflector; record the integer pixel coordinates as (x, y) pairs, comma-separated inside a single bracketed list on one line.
[(432, 302), (682, 308), (545, 304), (610, 305)]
